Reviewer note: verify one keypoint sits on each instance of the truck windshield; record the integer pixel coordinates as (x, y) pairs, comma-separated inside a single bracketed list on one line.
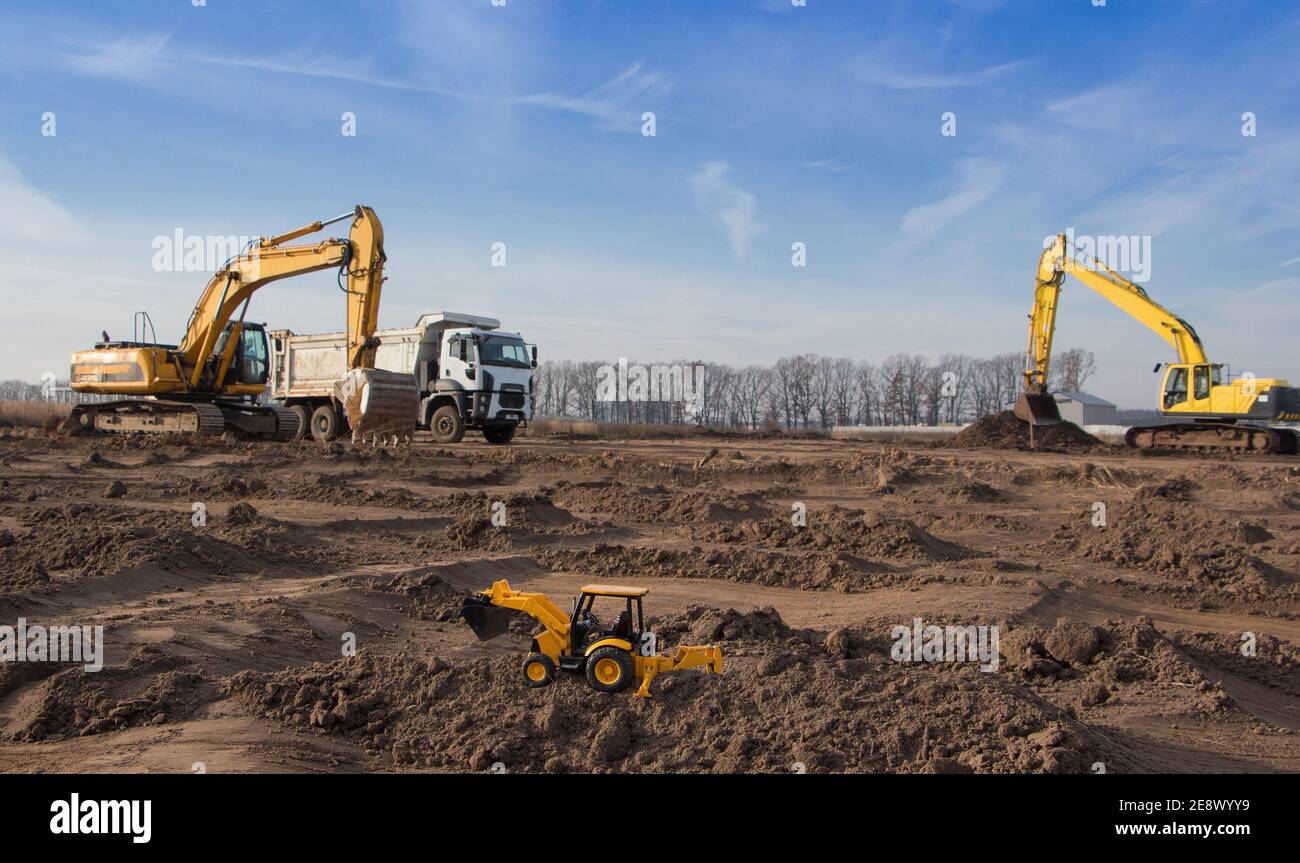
[(503, 351)]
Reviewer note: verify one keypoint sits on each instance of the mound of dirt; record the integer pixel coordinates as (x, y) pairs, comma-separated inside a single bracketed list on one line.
[(657, 504), (151, 689), (88, 540), (975, 491), (432, 598), (1274, 663), (242, 514), (1176, 488), (1005, 431), (1182, 540), (1092, 664), (702, 624), (848, 531), (794, 708), (807, 570)]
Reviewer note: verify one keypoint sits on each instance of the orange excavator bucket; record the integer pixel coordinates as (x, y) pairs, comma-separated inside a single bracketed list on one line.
[(1037, 407)]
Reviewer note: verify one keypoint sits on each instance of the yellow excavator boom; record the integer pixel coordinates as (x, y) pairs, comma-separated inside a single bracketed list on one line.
[(1057, 260)]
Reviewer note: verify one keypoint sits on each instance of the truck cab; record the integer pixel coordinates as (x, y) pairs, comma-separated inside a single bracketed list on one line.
[(473, 376)]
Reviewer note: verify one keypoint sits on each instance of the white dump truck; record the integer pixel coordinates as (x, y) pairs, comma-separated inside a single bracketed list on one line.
[(470, 376)]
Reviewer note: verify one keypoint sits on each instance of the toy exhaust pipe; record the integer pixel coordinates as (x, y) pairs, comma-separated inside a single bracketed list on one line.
[(379, 403), (1037, 408), (487, 620)]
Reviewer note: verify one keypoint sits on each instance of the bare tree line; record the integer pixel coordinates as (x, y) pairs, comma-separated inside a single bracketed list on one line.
[(14, 390), (801, 391), (811, 391)]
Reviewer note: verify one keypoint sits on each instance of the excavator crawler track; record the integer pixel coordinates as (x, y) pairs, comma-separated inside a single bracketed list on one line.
[(160, 416), (1222, 437)]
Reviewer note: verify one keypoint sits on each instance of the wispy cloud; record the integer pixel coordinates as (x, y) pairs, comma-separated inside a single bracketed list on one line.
[(617, 104), (831, 166), (135, 58), (30, 214), (883, 69), (976, 180), (733, 208)]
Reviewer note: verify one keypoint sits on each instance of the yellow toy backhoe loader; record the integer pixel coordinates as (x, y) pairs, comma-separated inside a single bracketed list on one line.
[(212, 380), (610, 657), (1242, 415)]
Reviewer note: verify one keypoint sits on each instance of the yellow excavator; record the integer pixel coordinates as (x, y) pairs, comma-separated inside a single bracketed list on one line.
[(609, 656), (1245, 414), (214, 379)]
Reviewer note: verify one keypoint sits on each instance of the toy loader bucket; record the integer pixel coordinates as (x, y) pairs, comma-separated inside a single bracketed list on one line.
[(487, 620), (378, 402), (1037, 408)]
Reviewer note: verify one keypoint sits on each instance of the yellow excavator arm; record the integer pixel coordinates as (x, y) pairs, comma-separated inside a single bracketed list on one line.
[(268, 260), (1057, 260)]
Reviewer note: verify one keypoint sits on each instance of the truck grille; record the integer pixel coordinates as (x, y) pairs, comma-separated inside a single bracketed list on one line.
[(512, 399)]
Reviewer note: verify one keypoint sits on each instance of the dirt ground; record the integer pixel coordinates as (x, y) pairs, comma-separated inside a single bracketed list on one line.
[(1121, 644)]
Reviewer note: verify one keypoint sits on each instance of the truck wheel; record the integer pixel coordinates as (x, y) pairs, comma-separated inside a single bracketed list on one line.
[(538, 670), (609, 669), (447, 425), (499, 433), (300, 411), (325, 423)]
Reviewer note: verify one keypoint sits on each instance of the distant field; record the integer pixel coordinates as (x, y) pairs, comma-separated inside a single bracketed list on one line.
[(31, 413)]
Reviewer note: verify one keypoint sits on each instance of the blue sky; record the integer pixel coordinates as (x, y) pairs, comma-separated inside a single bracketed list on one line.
[(775, 124)]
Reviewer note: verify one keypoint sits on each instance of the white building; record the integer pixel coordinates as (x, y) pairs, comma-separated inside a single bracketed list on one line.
[(1083, 409)]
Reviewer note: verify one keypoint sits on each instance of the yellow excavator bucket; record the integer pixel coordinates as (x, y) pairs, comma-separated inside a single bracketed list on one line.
[(1037, 408), (379, 402)]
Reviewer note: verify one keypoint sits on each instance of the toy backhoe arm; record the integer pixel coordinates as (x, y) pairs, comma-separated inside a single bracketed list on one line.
[(488, 622), (1057, 260), (361, 256)]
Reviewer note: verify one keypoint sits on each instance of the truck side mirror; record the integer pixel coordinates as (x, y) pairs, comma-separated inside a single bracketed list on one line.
[(1157, 368), (534, 356), (464, 351)]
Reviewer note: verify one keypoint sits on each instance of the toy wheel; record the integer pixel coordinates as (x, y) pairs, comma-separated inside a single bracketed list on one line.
[(609, 669), (538, 670)]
